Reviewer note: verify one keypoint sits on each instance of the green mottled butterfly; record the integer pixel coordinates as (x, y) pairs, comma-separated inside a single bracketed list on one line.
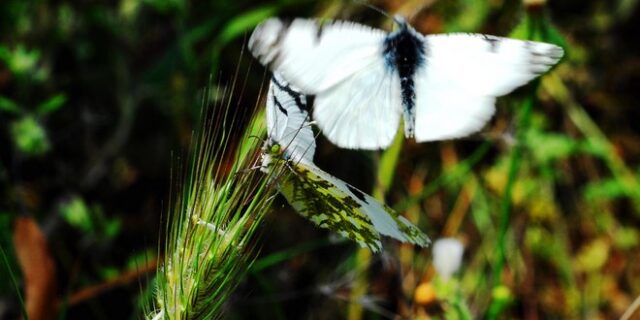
[(320, 197)]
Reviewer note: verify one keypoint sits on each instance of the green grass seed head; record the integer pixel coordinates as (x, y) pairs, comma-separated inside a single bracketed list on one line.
[(216, 208)]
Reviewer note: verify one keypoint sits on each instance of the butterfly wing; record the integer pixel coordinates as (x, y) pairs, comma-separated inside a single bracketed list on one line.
[(464, 73), (335, 205), (288, 121), (385, 220), (357, 99), (314, 56), (362, 112)]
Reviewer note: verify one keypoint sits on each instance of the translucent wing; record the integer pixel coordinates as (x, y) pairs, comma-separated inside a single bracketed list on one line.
[(335, 205), (288, 121), (463, 73)]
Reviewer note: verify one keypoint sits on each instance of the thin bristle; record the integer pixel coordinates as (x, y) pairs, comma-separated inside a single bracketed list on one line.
[(217, 203)]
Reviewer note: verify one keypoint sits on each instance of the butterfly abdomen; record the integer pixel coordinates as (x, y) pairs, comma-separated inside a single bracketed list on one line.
[(404, 52)]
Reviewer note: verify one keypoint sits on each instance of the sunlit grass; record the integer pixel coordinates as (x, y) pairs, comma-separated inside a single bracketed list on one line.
[(216, 208)]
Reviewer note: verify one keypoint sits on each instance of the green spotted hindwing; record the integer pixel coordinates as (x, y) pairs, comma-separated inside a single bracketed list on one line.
[(333, 204)]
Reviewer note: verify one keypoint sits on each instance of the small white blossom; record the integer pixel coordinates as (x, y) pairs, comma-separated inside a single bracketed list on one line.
[(447, 256)]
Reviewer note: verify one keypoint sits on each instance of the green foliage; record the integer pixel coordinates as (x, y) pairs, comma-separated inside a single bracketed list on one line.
[(162, 6), (9, 105), (547, 147), (8, 265), (29, 136), (279, 257), (592, 256), (89, 220), (10, 277), (76, 213), (469, 15), (21, 61), (51, 105), (605, 190), (532, 27), (140, 259), (387, 166), (245, 22)]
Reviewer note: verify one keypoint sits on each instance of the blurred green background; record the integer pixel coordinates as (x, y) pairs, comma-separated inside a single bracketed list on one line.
[(98, 100)]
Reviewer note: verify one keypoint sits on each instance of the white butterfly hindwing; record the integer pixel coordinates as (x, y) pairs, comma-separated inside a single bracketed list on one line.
[(288, 121), (367, 118)]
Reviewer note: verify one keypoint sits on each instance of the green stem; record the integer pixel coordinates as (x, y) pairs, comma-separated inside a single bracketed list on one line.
[(455, 174), (554, 85), (15, 284), (505, 208), (384, 179)]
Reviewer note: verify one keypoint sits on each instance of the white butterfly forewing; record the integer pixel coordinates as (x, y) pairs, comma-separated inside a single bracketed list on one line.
[(486, 65), (314, 56), (288, 121), (463, 73)]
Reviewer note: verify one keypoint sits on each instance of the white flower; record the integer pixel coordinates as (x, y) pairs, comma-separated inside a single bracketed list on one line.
[(447, 256)]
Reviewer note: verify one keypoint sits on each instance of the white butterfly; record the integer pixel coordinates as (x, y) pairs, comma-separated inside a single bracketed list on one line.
[(288, 121), (364, 78), (320, 197)]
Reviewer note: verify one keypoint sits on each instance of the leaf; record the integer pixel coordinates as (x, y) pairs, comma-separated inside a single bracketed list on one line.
[(5, 53), (29, 136), (606, 189), (38, 268), (9, 105), (77, 213), (141, 259), (244, 22), (626, 238), (470, 18), (22, 61), (387, 167), (592, 256), (165, 6), (551, 146), (109, 272), (51, 105), (238, 26), (112, 228)]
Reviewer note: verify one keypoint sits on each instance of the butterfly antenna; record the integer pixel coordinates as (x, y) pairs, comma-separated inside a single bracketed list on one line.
[(374, 8), (398, 19)]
